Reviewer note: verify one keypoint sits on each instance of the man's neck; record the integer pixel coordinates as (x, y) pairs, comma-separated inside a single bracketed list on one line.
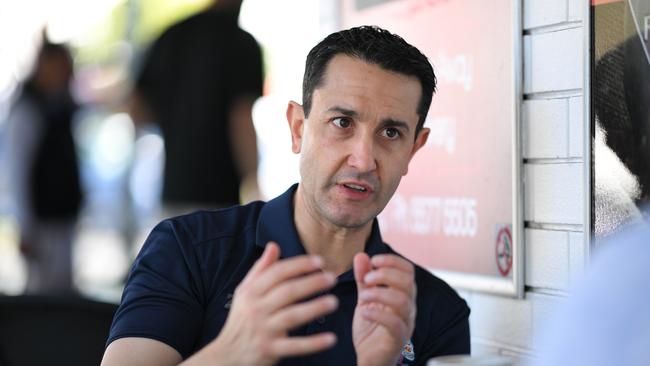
[(336, 245)]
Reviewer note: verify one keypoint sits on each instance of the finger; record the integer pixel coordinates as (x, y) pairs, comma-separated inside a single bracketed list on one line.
[(361, 266), (286, 269), (302, 313), (399, 302), (393, 323), (270, 255), (391, 277), (392, 260), (297, 346), (297, 289)]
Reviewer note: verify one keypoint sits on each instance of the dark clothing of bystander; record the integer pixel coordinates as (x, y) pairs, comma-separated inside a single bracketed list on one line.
[(190, 78)]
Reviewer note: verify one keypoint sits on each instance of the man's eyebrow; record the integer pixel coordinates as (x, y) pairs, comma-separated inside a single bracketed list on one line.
[(389, 122), (344, 111)]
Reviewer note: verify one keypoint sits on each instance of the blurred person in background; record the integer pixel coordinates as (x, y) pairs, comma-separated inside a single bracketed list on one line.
[(43, 170), (198, 83)]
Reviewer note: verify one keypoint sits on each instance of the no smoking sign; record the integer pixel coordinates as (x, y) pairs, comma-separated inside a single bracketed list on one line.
[(503, 251)]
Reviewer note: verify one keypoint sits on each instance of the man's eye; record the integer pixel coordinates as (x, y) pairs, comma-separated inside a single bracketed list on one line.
[(391, 133), (341, 122)]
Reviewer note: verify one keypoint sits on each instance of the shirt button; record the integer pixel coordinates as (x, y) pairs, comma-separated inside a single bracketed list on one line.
[(321, 320)]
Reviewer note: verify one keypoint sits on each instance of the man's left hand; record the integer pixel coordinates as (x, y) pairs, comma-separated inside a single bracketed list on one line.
[(384, 318)]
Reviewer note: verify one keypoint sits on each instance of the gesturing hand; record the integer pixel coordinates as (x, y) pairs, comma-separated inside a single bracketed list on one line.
[(266, 306), (385, 314)]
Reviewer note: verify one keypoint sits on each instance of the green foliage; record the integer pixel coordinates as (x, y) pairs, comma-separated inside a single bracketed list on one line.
[(134, 22), (156, 15)]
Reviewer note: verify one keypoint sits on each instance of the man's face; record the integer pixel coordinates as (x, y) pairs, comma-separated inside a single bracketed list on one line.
[(357, 142)]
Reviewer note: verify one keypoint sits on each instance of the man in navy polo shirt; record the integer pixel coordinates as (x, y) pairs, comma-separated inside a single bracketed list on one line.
[(305, 279)]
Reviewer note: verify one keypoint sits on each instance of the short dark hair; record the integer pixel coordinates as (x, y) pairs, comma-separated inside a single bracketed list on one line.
[(374, 45)]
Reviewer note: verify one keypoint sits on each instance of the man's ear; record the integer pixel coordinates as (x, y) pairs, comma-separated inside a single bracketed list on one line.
[(420, 140), (296, 119)]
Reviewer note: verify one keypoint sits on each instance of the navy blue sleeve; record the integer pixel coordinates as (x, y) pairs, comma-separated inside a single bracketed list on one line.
[(453, 338), (161, 297)]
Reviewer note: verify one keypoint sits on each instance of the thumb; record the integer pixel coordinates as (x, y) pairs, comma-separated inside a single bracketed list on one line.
[(361, 266)]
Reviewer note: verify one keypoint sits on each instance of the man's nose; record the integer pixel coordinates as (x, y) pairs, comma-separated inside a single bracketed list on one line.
[(362, 154)]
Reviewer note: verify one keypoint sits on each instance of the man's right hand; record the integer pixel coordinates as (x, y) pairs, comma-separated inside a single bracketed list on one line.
[(266, 305)]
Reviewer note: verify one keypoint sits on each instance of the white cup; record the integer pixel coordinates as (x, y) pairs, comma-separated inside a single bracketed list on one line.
[(465, 360)]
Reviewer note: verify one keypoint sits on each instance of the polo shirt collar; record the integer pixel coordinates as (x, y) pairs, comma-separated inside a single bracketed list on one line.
[(276, 224)]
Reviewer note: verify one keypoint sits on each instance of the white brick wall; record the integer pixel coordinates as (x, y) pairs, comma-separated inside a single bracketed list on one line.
[(547, 259), (553, 126), (553, 193), (544, 122), (543, 309), (553, 61), (577, 257), (576, 9), (540, 13), (502, 320), (576, 127)]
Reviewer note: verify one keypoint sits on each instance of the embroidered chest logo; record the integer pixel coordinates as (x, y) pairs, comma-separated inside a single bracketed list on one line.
[(408, 354), (228, 302)]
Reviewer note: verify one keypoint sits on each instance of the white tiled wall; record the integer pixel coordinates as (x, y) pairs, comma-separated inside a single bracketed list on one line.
[(502, 320), (553, 193), (552, 128), (543, 120), (547, 259), (576, 9), (577, 256), (552, 61), (539, 13), (576, 126), (543, 309), (552, 125)]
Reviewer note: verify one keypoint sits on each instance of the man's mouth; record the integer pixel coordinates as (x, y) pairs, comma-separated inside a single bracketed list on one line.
[(355, 187)]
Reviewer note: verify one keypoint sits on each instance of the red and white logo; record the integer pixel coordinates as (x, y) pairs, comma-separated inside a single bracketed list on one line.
[(504, 251)]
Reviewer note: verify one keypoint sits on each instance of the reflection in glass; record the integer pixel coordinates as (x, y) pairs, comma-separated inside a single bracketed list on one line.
[(621, 82)]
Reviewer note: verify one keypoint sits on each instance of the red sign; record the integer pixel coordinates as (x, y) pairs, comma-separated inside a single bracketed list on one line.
[(601, 2), (504, 251)]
